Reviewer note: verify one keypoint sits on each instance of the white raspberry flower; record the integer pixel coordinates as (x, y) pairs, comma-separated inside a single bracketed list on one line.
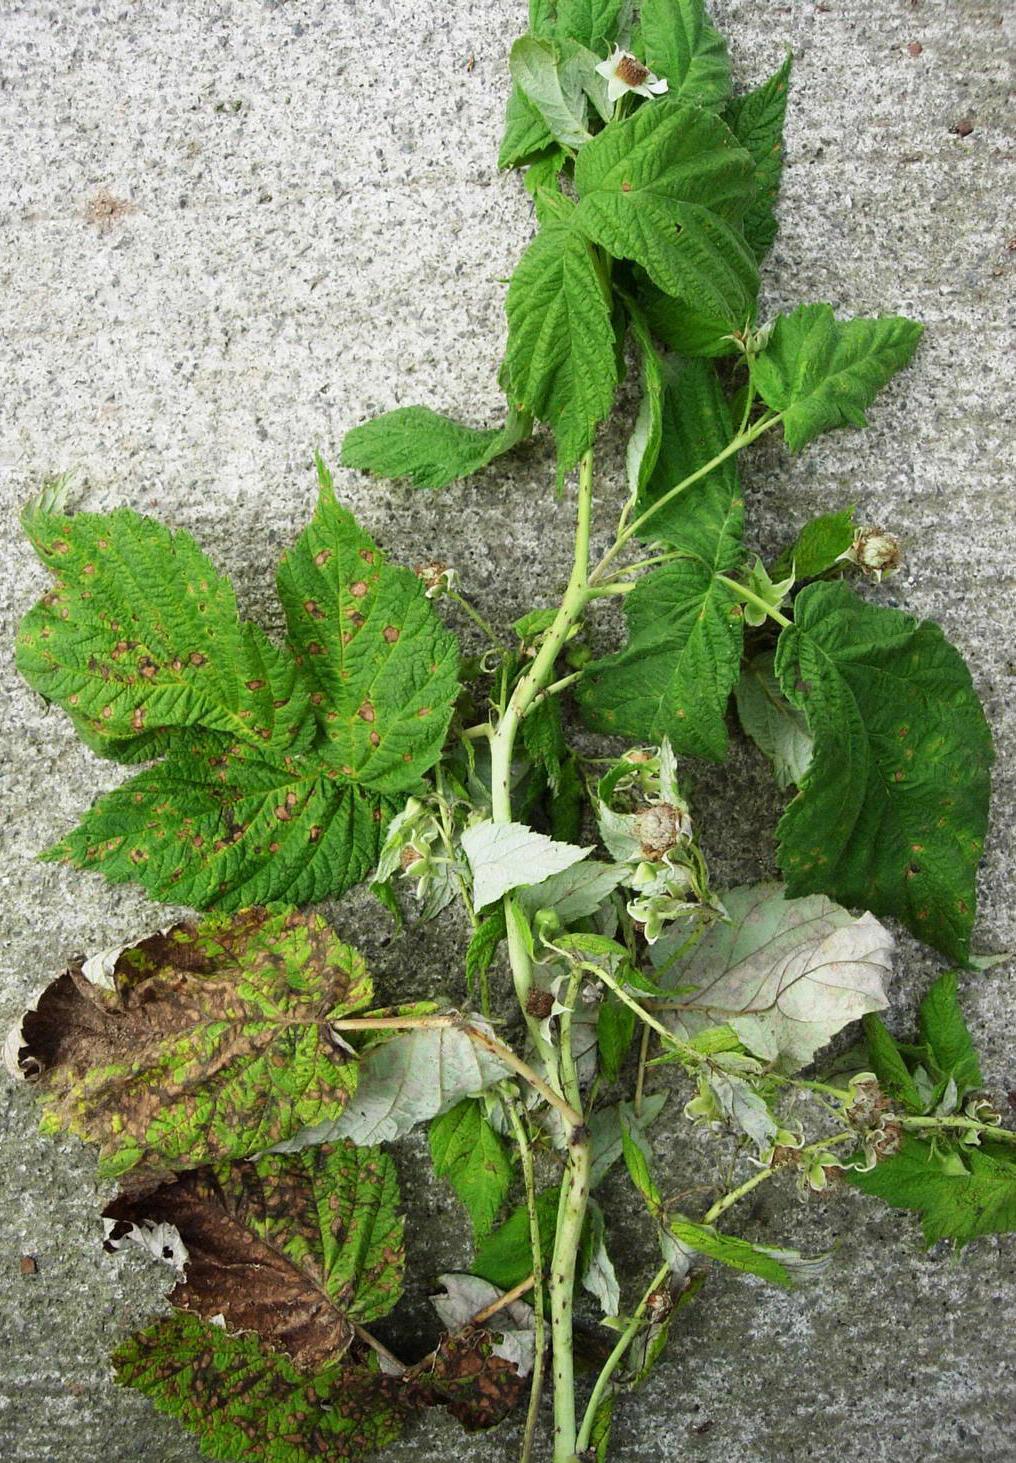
[(624, 73)]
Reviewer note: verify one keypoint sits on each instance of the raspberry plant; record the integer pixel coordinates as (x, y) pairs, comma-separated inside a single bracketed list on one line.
[(234, 1072)]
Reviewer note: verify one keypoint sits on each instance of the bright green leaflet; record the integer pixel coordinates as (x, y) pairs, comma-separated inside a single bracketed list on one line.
[(945, 1032), (681, 45), (140, 632), (217, 826), (244, 1401), (892, 814), (467, 1152), (887, 1063), (526, 134), (756, 120), (429, 449), (675, 675), (667, 189), (615, 1031), (739, 1254), (821, 372), (959, 1195), (505, 1257), (383, 667), (778, 730), (213, 1043), (817, 547), (562, 363)]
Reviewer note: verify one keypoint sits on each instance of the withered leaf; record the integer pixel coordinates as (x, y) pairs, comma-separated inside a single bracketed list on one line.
[(205, 1042), (294, 1247), (478, 1388)]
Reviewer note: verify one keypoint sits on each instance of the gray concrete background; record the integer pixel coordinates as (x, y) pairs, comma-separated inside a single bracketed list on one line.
[(231, 229)]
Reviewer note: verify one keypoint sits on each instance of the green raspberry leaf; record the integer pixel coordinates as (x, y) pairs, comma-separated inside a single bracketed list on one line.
[(674, 677), (892, 814), (295, 1248), (526, 135), (592, 23), (505, 1257), (615, 1032), (366, 637), (778, 730), (140, 633), (958, 1195), (554, 94), (756, 120), (467, 1152), (681, 45), (887, 1063), (822, 373), (207, 1042), (429, 449), (740, 1254), (244, 1401), (818, 547), (217, 826), (666, 189), (561, 358), (944, 1030)]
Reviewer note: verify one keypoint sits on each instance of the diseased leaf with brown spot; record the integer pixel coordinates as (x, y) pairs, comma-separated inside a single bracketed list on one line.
[(141, 632), (367, 638), (244, 1401), (278, 766), (210, 1042), (217, 825), (478, 1388), (294, 1247)]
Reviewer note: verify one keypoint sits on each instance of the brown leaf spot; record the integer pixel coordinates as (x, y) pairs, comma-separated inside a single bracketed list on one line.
[(358, 588), (283, 814), (367, 555), (313, 609), (391, 633), (365, 711), (315, 649), (107, 712), (374, 739), (321, 557), (424, 711), (138, 718), (148, 669), (196, 658), (315, 833)]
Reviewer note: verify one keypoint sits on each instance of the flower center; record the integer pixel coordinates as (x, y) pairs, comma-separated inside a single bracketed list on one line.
[(630, 71)]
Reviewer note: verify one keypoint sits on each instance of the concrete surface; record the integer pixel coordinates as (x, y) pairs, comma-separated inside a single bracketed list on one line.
[(233, 228)]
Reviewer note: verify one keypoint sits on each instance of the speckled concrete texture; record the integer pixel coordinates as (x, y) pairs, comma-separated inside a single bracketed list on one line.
[(231, 229)]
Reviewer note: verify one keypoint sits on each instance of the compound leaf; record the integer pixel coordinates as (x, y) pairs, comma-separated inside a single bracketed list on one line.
[(561, 358), (681, 45), (821, 372), (756, 120), (467, 1152), (366, 637), (294, 1247), (892, 813), (209, 1041), (429, 449), (674, 677)]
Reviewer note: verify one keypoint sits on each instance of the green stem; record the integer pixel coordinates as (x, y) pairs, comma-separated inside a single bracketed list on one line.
[(750, 597), (539, 1325), (615, 1358), (743, 439), (1002, 1135)]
